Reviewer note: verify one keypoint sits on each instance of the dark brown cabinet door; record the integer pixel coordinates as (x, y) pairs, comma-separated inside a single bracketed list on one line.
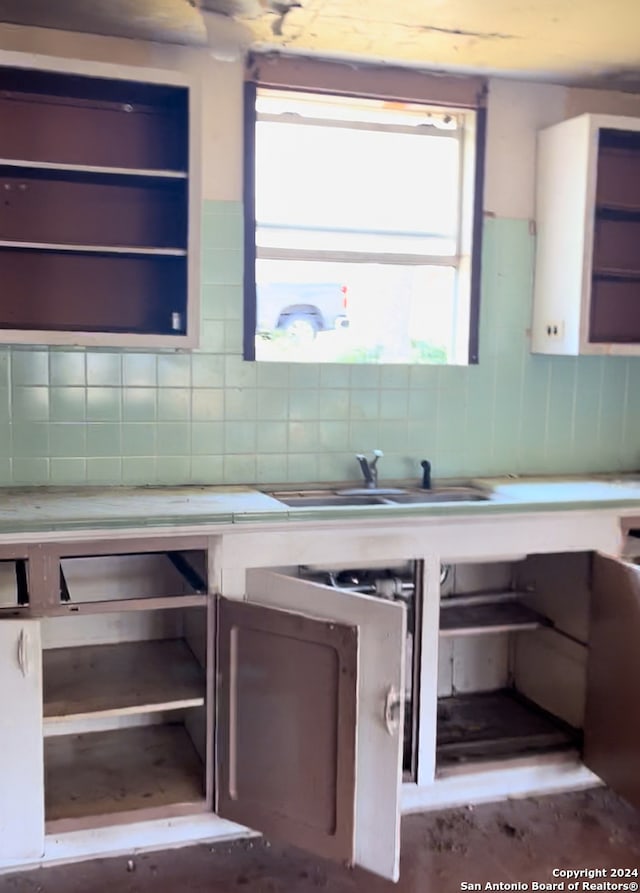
[(612, 721), (286, 726)]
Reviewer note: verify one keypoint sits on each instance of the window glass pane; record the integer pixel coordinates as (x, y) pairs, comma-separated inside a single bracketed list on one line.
[(356, 313), (335, 188)]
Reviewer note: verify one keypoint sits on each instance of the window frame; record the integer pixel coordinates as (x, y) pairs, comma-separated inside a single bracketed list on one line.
[(321, 77)]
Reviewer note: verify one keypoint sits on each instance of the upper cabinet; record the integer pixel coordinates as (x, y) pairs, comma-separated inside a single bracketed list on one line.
[(587, 272), (97, 229)]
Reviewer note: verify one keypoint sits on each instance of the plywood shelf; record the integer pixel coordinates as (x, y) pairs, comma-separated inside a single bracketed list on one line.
[(116, 680), (92, 249), (496, 724), (469, 619), (100, 170), (118, 771)]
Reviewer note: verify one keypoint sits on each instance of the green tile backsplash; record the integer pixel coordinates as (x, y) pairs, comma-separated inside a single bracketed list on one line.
[(74, 416)]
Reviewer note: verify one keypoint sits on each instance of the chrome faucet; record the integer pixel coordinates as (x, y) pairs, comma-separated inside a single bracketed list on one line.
[(370, 469)]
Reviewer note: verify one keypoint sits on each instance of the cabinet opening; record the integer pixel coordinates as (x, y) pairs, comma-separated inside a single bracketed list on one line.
[(125, 716), (512, 660), (94, 579), (400, 582), (14, 585), (92, 120), (94, 219)]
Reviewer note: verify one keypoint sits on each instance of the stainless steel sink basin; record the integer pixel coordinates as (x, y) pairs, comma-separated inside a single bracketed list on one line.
[(439, 494), (379, 496), (321, 499)]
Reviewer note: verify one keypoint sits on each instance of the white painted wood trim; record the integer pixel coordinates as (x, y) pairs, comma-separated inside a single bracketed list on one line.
[(130, 840), (92, 249), (427, 714), (22, 772), (500, 782), (91, 68), (151, 173)]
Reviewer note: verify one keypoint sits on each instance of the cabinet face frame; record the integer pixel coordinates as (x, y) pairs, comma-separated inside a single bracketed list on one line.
[(142, 74)]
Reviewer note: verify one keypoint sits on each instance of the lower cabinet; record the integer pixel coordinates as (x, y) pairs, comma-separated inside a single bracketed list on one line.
[(538, 661), (292, 709)]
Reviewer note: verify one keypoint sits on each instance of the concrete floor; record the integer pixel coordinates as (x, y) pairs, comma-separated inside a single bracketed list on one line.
[(517, 842)]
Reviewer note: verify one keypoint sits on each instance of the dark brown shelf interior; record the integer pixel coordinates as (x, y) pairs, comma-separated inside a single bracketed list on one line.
[(82, 208), (50, 118), (80, 120), (67, 292), (615, 292)]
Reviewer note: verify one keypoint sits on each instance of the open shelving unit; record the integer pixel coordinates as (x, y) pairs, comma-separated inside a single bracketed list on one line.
[(96, 236)]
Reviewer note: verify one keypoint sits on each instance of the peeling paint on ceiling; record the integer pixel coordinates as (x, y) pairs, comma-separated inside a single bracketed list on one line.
[(565, 41), (170, 21)]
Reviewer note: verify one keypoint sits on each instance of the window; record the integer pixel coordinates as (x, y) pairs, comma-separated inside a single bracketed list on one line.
[(362, 229)]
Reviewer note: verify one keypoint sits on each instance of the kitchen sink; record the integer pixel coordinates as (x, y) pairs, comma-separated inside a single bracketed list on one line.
[(379, 496), (439, 494), (322, 498)]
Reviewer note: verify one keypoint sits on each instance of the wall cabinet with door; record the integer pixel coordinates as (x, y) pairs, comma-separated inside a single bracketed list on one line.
[(161, 682), (587, 271)]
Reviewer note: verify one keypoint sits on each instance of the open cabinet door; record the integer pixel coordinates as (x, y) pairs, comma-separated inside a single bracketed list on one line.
[(310, 718), (22, 769), (612, 719)]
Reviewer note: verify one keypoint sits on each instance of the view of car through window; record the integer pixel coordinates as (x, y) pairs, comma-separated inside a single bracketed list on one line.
[(358, 230)]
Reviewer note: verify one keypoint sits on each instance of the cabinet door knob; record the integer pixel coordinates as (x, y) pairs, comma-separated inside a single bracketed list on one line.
[(23, 652), (392, 705)]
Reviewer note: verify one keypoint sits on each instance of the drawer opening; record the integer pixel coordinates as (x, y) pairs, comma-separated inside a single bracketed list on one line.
[(94, 579), (14, 585)]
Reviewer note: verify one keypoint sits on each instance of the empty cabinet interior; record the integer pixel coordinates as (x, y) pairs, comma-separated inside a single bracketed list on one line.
[(512, 659), (125, 690), (94, 175)]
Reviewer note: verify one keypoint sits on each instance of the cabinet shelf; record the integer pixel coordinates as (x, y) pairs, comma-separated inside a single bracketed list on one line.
[(120, 770), (92, 249), (624, 209), (123, 679), (497, 724), (470, 616), (615, 273), (98, 169)]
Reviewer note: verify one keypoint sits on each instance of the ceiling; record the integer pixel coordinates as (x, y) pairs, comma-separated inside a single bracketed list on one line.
[(566, 41)]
